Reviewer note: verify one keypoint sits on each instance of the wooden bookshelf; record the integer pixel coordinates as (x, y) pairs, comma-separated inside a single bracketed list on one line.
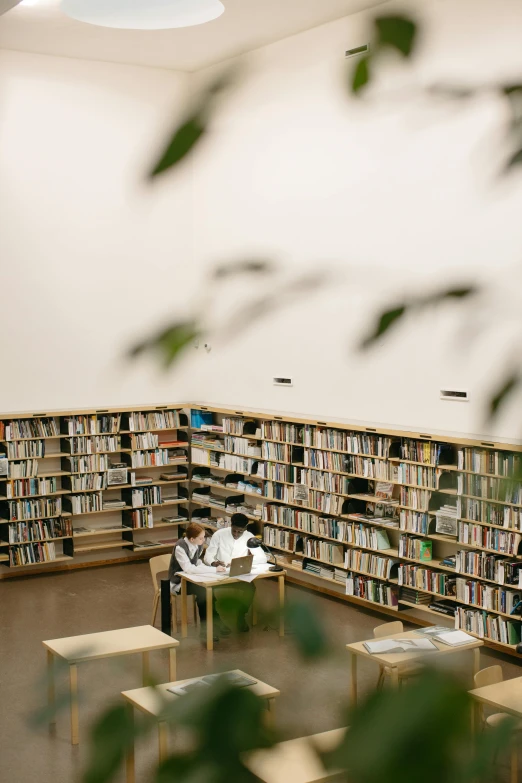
[(106, 431), (438, 486)]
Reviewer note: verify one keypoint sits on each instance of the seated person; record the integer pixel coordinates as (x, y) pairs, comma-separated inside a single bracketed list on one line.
[(186, 557), (225, 545)]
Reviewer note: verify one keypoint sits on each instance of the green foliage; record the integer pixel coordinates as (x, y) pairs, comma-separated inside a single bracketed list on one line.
[(421, 732), (308, 629), (112, 735), (185, 136), (169, 342), (508, 385), (397, 32), (390, 317), (226, 722), (361, 74)]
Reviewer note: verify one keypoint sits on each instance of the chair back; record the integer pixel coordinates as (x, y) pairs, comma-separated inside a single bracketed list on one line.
[(489, 676), (388, 629), (158, 565)]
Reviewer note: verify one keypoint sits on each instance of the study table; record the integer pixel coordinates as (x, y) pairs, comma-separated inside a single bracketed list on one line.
[(505, 696), (397, 661), (153, 701), (107, 644), (297, 760), (210, 582)]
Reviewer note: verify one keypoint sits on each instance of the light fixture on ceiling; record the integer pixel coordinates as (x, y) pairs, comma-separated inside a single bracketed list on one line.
[(143, 14)]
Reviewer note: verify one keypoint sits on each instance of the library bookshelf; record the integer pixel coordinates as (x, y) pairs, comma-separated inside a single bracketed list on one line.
[(397, 521), (77, 486)]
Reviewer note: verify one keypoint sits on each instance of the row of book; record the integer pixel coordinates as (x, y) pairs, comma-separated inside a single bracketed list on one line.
[(147, 459), (39, 529), (414, 521), (242, 446), (485, 461), (306, 521), (328, 460), (358, 560), (425, 452), (96, 463), (93, 445), (33, 509), (426, 579), (485, 566), (42, 552), (85, 503), (92, 424), (318, 501), (368, 537), (233, 425), (419, 475), (144, 440), (371, 590), (415, 498), (26, 469), (29, 428), (147, 496), (415, 548), (142, 517), (350, 442), (323, 550), (488, 597), (25, 449), (30, 486), (487, 626), (153, 420), (319, 569), (493, 514), (325, 482), (366, 467), (274, 471), (489, 488), (502, 541), (281, 539), (276, 451), (88, 481), (285, 432)]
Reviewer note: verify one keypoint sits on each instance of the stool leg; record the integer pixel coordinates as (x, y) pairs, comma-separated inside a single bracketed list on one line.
[(155, 607), (73, 685), (174, 613), (195, 610), (50, 687)]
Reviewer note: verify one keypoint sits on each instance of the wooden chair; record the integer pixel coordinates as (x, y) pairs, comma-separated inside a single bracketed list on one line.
[(491, 676), (389, 629), (160, 565)]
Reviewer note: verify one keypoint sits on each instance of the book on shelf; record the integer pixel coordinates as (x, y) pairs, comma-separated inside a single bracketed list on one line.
[(168, 541), (171, 476), (211, 428), (384, 490), (114, 504), (176, 518), (446, 607), (413, 596), (145, 544)]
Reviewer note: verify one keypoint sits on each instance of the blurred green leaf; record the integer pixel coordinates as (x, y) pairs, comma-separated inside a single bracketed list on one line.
[(398, 32), (112, 735), (252, 267), (169, 342), (186, 136), (514, 160), (361, 74), (308, 629), (184, 139), (508, 385), (385, 321), (417, 733), (460, 292)]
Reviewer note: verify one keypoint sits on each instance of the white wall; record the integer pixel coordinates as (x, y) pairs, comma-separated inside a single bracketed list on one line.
[(385, 196), (393, 195), (91, 257)]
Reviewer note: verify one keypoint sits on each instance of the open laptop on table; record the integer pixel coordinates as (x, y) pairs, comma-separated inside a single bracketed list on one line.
[(241, 565)]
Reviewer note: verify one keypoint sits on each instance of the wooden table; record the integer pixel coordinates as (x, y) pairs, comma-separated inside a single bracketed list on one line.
[(210, 585), (296, 761), (107, 644), (506, 697), (397, 661), (152, 701)]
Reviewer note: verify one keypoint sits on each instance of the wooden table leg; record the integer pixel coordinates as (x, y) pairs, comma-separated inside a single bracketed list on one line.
[(353, 679), (183, 608), (162, 740), (394, 672), (51, 700), (210, 620), (270, 708), (145, 668), (281, 581), (129, 756), (254, 610), (476, 660), (73, 686), (172, 664), (514, 763)]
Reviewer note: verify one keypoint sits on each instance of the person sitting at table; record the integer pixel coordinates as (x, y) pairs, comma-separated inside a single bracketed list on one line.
[(225, 545), (187, 558)]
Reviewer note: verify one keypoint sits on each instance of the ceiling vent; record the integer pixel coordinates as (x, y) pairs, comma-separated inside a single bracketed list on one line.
[(454, 395), (364, 49), (283, 382)]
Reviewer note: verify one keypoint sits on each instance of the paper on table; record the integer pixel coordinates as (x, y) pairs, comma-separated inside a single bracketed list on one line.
[(455, 638), (207, 577)]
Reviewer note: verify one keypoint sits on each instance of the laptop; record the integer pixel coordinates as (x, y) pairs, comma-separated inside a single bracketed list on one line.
[(241, 565)]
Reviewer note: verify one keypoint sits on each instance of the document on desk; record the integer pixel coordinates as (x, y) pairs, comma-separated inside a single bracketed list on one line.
[(206, 578), (256, 570)]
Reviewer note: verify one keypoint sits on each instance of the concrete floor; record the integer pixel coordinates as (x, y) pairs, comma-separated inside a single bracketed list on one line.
[(86, 601)]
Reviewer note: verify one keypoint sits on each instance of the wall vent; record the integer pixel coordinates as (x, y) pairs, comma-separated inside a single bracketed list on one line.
[(283, 382), (364, 49), (457, 395)]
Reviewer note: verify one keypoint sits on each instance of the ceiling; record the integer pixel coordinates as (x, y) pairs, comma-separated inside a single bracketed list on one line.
[(245, 25)]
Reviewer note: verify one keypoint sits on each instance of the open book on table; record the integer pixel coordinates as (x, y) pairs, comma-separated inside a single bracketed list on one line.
[(385, 646)]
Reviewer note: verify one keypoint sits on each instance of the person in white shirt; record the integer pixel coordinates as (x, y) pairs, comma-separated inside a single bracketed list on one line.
[(225, 545), (186, 557)]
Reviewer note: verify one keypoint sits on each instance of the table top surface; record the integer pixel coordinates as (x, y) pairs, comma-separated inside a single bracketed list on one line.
[(397, 659), (295, 760), (88, 647), (152, 700), (506, 696), (227, 580)]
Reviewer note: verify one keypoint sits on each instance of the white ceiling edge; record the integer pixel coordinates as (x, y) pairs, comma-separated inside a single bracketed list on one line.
[(246, 26)]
